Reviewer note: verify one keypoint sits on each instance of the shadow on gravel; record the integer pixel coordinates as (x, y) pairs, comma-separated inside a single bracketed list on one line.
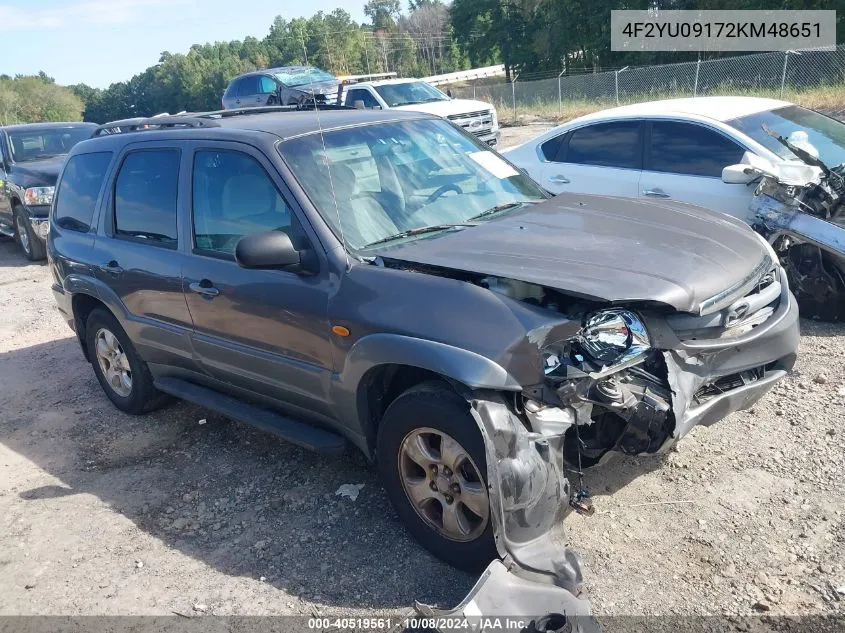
[(810, 327), (11, 255), (241, 501)]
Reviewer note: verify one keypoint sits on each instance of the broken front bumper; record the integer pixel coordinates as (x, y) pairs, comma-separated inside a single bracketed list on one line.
[(769, 350), (537, 577)]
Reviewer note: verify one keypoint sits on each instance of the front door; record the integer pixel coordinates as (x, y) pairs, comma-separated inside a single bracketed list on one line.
[(604, 159), (262, 330), (684, 162)]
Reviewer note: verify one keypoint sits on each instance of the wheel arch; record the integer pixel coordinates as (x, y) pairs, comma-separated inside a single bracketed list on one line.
[(380, 367)]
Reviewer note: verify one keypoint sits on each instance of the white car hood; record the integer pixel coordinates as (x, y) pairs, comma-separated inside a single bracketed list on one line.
[(447, 108)]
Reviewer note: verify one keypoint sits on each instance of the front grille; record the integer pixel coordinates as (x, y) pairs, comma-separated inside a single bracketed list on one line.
[(478, 123), (739, 317)]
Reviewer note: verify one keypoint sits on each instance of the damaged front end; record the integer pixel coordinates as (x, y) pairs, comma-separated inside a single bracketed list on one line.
[(536, 586)]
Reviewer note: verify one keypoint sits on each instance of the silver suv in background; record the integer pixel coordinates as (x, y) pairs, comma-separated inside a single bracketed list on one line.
[(286, 85)]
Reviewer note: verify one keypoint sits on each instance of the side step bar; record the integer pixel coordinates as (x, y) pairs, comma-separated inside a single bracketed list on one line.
[(7, 231), (294, 431)]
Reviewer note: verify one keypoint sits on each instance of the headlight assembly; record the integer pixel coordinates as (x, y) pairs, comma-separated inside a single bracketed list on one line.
[(614, 336), (36, 196)]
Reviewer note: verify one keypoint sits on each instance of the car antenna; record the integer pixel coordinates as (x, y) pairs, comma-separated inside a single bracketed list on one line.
[(325, 155)]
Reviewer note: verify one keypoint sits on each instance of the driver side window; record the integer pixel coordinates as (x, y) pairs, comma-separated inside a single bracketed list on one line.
[(233, 197)]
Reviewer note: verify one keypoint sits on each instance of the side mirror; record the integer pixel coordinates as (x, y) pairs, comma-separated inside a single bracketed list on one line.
[(272, 249), (738, 174)]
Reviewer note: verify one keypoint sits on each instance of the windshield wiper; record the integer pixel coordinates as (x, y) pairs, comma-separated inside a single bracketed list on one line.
[(417, 231), (506, 206)]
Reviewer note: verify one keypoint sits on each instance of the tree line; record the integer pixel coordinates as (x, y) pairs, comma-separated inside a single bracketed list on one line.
[(428, 37)]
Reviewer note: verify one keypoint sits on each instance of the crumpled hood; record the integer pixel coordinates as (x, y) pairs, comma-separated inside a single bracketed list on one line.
[(447, 108), (319, 87), (38, 173), (612, 249)]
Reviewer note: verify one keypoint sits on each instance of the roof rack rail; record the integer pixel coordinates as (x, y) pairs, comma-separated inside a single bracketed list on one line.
[(305, 107), (138, 124)]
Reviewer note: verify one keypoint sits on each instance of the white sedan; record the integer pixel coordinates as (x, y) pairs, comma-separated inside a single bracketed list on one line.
[(673, 149)]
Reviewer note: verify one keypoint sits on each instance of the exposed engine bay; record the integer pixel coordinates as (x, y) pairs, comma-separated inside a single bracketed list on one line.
[(800, 210)]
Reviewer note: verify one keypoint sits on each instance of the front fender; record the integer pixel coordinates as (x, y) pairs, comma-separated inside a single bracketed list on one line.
[(374, 350), (779, 221)]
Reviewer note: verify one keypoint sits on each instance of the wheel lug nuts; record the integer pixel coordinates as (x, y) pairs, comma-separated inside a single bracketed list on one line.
[(447, 472), (434, 469), (433, 486), (455, 488), (449, 498)]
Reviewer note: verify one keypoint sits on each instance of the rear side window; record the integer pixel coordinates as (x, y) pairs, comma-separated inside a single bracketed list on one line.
[(83, 176), (551, 148), (233, 197), (249, 85), (145, 197), (606, 145), (692, 150)]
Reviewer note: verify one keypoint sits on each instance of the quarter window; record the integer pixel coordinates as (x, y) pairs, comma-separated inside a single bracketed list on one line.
[(693, 150), (77, 195), (145, 197), (233, 197), (606, 145)]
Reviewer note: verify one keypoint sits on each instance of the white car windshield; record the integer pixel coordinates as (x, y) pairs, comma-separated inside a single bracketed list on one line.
[(399, 181), (825, 134), (409, 93)]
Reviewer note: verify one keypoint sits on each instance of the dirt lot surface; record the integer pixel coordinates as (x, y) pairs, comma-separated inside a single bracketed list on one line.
[(184, 511)]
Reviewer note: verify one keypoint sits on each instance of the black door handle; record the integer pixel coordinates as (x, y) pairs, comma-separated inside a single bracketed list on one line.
[(204, 288), (112, 268)]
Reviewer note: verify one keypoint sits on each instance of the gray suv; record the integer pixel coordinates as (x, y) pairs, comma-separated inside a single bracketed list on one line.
[(384, 279), (286, 85)]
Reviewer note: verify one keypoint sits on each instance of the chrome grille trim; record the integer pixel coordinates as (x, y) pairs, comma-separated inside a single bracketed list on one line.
[(725, 298)]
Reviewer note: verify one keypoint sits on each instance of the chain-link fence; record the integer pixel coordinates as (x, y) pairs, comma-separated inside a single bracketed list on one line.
[(817, 75)]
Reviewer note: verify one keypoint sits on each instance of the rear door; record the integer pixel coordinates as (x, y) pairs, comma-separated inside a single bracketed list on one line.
[(5, 200), (602, 158), (139, 252), (684, 162), (265, 331), (249, 92)]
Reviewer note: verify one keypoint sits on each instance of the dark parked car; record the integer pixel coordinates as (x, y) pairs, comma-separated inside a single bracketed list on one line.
[(30, 158), (287, 85), (394, 284)]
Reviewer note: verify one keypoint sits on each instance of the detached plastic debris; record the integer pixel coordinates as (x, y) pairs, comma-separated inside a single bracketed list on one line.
[(203, 421), (349, 490)]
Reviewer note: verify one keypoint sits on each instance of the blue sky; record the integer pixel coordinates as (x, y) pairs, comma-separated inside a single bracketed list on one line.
[(99, 42)]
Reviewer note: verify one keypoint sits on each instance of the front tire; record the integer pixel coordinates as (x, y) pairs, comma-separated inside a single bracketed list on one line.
[(29, 243), (817, 282), (432, 461), (124, 377)]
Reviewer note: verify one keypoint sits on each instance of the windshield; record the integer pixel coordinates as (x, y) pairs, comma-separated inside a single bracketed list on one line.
[(392, 178), (29, 145), (409, 93), (303, 76), (825, 134)]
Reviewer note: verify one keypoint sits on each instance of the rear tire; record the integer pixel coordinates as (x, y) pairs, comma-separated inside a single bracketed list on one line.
[(443, 501), (124, 377)]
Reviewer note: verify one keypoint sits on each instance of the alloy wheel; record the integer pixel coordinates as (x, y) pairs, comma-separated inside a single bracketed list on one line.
[(443, 484), (113, 362)]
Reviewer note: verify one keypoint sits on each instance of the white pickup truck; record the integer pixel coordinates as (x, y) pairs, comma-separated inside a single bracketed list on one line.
[(476, 117)]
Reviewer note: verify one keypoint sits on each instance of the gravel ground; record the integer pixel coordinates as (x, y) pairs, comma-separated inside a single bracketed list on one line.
[(184, 511)]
